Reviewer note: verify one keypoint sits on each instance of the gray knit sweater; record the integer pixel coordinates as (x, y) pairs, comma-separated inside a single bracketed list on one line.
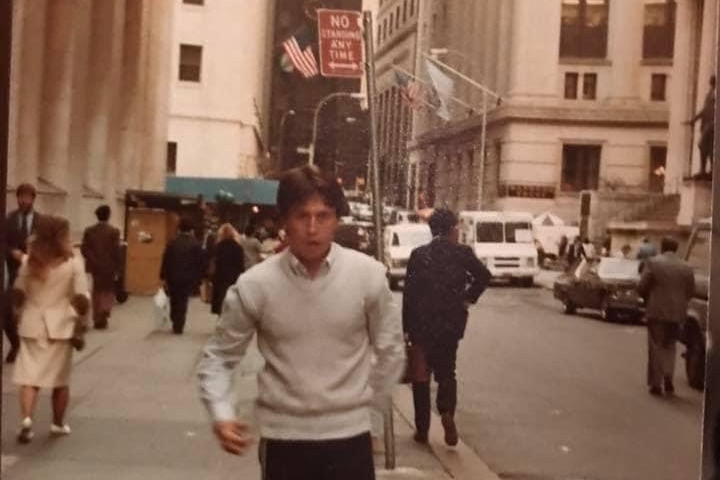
[(317, 337)]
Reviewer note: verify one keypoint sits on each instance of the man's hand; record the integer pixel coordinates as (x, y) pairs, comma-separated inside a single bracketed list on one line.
[(233, 436)]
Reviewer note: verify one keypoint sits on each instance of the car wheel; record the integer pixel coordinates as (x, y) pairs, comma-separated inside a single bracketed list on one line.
[(568, 307), (527, 282), (608, 314), (695, 360)]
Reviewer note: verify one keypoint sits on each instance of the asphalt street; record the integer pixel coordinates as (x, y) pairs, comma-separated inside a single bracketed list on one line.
[(548, 396)]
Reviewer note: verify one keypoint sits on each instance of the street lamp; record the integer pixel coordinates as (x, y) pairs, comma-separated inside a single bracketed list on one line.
[(311, 148)]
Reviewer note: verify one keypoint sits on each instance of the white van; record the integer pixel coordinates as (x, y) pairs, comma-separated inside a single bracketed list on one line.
[(398, 242), (503, 241)]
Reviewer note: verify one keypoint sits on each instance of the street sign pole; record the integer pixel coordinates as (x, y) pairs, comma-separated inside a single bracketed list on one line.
[(388, 427)]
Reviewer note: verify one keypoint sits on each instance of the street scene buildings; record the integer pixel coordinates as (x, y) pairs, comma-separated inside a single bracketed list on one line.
[(569, 136)]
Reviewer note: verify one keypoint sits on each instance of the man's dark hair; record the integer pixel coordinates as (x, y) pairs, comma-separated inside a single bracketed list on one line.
[(102, 213), (442, 222), (299, 184), (25, 189), (185, 225), (668, 244)]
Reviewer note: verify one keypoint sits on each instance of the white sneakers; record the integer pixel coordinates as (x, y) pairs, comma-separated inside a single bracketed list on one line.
[(60, 430), (25, 433)]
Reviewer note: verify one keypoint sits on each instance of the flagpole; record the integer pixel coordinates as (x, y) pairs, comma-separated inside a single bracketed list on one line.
[(388, 427), (461, 75), (424, 82)]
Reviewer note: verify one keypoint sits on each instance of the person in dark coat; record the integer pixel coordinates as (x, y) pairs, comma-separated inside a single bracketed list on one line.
[(443, 279), (229, 264), (181, 271), (668, 284), (19, 225), (101, 250)]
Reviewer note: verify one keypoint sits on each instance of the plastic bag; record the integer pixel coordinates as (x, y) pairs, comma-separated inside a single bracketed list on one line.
[(162, 307)]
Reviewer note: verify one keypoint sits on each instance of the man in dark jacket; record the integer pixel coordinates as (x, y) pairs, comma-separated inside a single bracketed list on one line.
[(668, 284), (101, 250), (181, 271), (19, 225), (443, 279)]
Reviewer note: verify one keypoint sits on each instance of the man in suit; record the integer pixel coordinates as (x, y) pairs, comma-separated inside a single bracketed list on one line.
[(181, 272), (19, 225), (101, 250), (667, 283), (443, 279)]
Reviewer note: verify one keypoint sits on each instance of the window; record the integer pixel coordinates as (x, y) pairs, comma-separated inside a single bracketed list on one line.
[(190, 62), (658, 87), (412, 7), (580, 167), (171, 158), (511, 235), (489, 232), (589, 86), (659, 29), (397, 17), (584, 28), (571, 85), (390, 23), (656, 172), (384, 29), (194, 2), (405, 7)]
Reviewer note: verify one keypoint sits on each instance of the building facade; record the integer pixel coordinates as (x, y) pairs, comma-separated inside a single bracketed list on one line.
[(219, 87), (584, 104), (88, 102)]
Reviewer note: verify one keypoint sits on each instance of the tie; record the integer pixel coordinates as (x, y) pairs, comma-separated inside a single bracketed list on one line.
[(24, 228)]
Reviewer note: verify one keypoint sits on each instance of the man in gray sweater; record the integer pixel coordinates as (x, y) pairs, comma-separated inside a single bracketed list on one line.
[(320, 313)]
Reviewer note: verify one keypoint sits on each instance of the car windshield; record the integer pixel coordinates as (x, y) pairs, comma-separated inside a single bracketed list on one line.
[(618, 269), (518, 232), (489, 232), (414, 238)]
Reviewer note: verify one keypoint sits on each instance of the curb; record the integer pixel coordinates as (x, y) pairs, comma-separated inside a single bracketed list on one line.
[(460, 462)]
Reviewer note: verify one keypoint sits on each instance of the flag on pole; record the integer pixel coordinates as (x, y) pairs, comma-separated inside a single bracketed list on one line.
[(298, 49), (443, 87), (410, 90)]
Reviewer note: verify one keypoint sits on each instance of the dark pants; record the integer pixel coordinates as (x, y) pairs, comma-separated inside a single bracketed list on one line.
[(178, 309), (662, 341), (339, 459), (9, 326), (441, 356)]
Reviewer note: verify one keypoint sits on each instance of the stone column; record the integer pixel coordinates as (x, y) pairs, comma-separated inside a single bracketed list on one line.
[(157, 93), (29, 20), (681, 95), (106, 37)]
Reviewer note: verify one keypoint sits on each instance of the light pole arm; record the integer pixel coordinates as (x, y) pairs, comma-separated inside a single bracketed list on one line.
[(461, 75), (316, 113)]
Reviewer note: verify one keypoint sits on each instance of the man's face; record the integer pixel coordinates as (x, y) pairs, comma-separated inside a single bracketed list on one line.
[(310, 229), (25, 202)]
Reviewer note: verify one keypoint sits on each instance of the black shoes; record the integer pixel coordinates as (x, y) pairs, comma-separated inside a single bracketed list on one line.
[(669, 387), (421, 437), (451, 434), (655, 391)]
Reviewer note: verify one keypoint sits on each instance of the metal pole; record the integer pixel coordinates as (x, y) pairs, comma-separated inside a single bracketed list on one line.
[(483, 140), (281, 142), (472, 82), (316, 114), (6, 17), (389, 433)]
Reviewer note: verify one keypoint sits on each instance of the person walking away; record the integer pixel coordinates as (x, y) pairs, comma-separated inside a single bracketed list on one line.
[(330, 333), (50, 296), (252, 248), (181, 272), (668, 283), (443, 279), (101, 250), (229, 264), (19, 225)]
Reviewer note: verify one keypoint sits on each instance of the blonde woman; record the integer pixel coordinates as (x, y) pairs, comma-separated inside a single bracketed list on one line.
[(50, 296), (229, 264)]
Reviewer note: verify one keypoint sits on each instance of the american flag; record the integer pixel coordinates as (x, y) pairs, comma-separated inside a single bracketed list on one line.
[(298, 48), (410, 90)]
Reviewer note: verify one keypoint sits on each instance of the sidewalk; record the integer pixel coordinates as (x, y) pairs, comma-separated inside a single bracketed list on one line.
[(135, 414)]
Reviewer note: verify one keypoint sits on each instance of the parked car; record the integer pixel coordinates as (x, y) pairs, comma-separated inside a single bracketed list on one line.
[(694, 332), (398, 242), (404, 216), (605, 284), (357, 235), (361, 211)]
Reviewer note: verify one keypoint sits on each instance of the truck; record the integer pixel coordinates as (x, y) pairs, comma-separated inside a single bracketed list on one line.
[(503, 241)]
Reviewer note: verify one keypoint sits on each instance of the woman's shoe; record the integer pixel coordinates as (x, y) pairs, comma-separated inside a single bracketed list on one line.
[(60, 429), (25, 434)]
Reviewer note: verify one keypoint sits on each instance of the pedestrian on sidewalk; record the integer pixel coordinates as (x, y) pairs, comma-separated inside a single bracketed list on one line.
[(320, 313), (229, 264), (51, 298), (19, 225), (101, 250), (668, 283), (252, 248), (443, 279), (181, 271)]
